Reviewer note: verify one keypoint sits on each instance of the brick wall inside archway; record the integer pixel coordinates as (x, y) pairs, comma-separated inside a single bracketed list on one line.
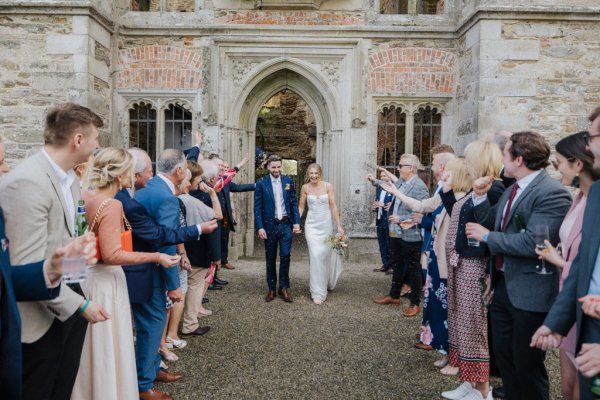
[(159, 67), (412, 70)]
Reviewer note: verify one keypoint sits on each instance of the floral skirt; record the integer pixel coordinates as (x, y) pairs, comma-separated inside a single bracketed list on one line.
[(434, 324)]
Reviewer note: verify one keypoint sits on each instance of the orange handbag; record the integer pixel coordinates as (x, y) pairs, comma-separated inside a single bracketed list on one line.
[(126, 238)]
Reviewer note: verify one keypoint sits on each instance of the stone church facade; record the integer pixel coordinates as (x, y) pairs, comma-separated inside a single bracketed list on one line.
[(381, 77)]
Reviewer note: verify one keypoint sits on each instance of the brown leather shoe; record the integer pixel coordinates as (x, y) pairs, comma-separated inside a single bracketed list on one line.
[(228, 266), (423, 346), (285, 293), (270, 296), (380, 269), (412, 310), (153, 394), (167, 377), (387, 300)]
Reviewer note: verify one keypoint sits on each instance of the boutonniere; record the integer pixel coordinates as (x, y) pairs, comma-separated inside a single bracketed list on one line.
[(520, 225), (287, 186)]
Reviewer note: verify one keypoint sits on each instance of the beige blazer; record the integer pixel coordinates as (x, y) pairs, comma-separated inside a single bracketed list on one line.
[(427, 206), (36, 223)]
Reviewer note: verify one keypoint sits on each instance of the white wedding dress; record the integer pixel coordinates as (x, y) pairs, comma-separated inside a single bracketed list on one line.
[(326, 265)]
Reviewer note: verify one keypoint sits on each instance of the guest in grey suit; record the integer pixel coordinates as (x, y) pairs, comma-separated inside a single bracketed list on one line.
[(38, 199), (521, 296), (405, 237), (583, 281)]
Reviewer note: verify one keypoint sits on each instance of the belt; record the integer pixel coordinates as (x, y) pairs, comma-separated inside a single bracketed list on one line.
[(285, 218)]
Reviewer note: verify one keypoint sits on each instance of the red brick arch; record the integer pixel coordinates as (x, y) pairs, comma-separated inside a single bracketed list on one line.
[(159, 67), (412, 70)]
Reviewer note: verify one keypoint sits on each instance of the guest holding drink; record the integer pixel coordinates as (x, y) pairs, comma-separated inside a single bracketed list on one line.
[(107, 369), (575, 164)]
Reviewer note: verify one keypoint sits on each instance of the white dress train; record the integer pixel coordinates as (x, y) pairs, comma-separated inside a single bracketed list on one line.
[(326, 265)]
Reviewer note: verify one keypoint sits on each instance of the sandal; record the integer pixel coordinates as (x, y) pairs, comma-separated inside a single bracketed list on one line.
[(167, 355), (449, 370), (441, 363), (175, 343)]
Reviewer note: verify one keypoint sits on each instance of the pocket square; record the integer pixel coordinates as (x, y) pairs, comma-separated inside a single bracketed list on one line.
[(5, 244)]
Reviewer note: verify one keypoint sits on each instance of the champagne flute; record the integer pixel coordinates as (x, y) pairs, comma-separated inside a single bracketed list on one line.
[(540, 236)]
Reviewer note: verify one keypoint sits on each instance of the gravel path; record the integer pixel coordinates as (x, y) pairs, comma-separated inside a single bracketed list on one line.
[(347, 348)]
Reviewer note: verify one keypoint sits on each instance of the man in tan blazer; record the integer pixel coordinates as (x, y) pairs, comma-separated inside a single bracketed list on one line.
[(38, 199)]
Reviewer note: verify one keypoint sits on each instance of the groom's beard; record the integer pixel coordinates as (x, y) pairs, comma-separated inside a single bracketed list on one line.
[(276, 175)]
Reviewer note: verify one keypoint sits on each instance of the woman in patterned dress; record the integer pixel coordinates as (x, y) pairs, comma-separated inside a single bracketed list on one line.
[(434, 325), (467, 313)]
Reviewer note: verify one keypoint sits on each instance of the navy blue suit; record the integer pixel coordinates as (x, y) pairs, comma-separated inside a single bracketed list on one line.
[(22, 283), (383, 232), (279, 233), (163, 208)]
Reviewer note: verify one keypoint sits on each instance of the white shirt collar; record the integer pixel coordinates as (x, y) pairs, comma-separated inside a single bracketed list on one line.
[(525, 181), (65, 178), (275, 180), (169, 183)]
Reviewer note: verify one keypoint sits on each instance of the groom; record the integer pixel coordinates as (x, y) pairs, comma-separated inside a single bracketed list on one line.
[(276, 216)]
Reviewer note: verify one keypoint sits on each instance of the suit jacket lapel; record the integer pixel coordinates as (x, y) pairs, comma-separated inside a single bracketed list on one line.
[(525, 193), (69, 220)]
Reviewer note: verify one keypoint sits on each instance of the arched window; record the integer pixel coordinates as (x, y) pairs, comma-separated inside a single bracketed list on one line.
[(391, 136), (427, 133), (142, 128), (178, 127)]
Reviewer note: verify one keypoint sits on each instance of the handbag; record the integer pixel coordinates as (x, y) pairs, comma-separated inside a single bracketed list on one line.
[(126, 237)]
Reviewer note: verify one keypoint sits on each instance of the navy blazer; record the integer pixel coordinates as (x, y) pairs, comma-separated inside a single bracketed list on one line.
[(22, 283), (163, 207), (264, 202), (147, 236), (387, 199), (567, 309)]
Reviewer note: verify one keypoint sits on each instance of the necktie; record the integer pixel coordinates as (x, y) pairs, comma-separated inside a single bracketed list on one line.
[(499, 260), (278, 196)]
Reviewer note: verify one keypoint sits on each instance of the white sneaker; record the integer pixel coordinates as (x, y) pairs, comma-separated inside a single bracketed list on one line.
[(460, 392), (476, 395)]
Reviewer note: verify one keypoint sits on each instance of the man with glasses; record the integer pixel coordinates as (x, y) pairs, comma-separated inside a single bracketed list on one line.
[(405, 238), (581, 286)]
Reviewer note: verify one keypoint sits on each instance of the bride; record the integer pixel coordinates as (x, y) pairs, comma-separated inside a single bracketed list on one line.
[(325, 265)]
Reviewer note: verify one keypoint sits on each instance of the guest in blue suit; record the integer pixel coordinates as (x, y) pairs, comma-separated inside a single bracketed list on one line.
[(382, 200), (158, 198), (276, 216), (30, 282)]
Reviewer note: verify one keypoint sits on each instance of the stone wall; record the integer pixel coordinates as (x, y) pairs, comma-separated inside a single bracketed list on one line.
[(53, 59)]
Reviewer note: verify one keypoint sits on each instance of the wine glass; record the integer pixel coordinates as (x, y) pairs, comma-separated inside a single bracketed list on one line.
[(540, 236)]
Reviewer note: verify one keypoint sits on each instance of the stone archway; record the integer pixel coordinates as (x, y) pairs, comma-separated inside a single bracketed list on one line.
[(274, 77)]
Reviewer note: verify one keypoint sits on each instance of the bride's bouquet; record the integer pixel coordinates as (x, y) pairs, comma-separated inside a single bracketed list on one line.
[(339, 243)]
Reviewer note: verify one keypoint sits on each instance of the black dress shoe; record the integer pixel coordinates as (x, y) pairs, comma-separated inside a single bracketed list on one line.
[(201, 330), (205, 300), (498, 392), (215, 286), (220, 281)]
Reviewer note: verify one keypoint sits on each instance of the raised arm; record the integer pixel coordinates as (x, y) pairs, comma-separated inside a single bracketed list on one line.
[(420, 206), (334, 209), (392, 177)]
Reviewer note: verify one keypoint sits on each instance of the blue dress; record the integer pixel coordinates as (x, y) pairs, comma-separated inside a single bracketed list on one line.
[(434, 323)]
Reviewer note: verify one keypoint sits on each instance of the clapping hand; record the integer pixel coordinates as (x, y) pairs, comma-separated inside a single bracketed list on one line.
[(208, 227), (376, 205), (590, 305)]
